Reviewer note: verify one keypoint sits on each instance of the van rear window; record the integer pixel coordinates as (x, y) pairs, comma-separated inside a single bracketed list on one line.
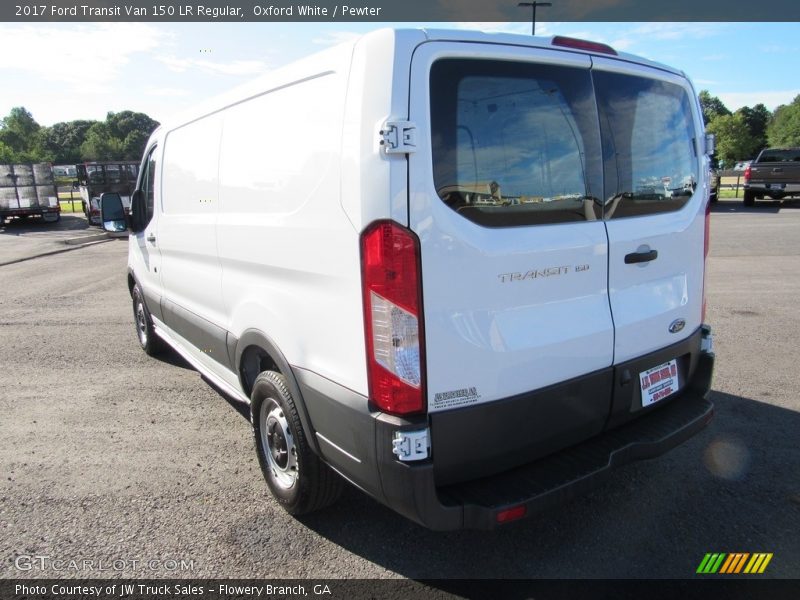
[(515, 143), (649, 145), (521, 143)]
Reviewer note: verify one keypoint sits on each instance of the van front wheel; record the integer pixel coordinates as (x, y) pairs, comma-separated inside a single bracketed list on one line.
[(148, 339), (297, 478)]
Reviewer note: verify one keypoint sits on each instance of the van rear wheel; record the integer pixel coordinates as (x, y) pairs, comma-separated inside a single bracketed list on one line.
[(297, 478)]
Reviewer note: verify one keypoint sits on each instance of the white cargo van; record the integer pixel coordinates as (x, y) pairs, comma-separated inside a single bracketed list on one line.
[(464, 272)]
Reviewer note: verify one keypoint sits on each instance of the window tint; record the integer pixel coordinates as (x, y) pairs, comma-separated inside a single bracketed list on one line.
[(148, 183), (649, 145), (515, 143), (131, 171), (774, 155)]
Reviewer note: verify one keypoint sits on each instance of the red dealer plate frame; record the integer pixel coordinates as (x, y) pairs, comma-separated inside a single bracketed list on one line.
[(659, 382)]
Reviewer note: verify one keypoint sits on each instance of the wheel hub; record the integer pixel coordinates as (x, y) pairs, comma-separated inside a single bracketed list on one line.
[(278, 443), (141, 323)]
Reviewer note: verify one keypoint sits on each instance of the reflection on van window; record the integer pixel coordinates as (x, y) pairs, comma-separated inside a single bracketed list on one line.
[(649, 144), (515, 144)]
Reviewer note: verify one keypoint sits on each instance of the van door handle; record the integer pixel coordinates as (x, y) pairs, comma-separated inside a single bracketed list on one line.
[(152, 239), (640, 257)]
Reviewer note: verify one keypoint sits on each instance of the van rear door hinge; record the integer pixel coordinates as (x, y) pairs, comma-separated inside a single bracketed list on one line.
[(399, 137)]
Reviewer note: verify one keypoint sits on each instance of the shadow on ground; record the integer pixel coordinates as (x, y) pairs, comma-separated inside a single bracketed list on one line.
[(734, 487), (68, 222)]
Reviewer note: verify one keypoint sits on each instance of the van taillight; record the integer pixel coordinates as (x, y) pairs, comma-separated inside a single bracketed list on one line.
[(747, 173), (706, 242), (390, 263)]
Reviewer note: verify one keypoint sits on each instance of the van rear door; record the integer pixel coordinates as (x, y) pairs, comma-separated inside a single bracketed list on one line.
[(655, 200), (506, 202)]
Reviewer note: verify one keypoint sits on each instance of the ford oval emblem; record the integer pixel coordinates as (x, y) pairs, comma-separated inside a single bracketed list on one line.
[(677, 325)]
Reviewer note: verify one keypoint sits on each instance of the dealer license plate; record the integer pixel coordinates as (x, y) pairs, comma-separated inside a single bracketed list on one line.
[(659, 382), (775, 186)]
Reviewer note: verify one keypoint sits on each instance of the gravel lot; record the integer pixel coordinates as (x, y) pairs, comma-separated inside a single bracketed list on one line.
[(107, 454)]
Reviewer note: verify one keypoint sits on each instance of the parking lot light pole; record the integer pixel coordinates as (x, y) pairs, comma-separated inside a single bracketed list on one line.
[(533, 6)]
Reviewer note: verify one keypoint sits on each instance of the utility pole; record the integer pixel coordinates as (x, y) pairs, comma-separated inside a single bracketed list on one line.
[(533, 6)]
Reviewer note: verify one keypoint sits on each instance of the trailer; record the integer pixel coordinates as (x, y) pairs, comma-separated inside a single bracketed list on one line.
[(97, 178), (28, 190)]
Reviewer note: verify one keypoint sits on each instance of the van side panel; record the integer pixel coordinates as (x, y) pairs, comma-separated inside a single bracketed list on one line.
[(186, 229), (289, 256)]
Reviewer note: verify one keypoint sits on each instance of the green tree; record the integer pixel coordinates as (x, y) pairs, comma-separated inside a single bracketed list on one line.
[(132, 129), (784, 128), (7, 155), (712, 107), (100, 144), (61, 143), (20, 132), (756, 119), (734, 140)]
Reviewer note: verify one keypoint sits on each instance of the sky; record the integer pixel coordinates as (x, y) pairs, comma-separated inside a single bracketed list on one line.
[(62, 71)]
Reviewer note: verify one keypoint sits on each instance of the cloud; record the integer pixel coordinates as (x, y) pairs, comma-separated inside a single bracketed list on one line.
[(166, 92), (66, 55), (234, 67), (336, 37), (770, 99)]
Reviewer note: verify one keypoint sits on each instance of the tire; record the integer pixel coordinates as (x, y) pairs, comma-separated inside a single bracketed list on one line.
[(145, 332), (297, 478), (749, 198)]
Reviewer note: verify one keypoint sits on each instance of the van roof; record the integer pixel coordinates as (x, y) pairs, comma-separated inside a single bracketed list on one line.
[(339, 55), (513, 39)]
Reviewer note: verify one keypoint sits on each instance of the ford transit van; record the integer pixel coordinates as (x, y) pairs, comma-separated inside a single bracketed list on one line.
[(463, 272)]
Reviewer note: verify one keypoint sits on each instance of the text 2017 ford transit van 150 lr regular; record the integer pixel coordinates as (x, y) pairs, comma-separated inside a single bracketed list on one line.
[(464, 272)]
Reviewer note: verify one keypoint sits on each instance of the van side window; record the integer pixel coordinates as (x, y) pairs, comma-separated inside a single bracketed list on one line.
[(148, 182), (515, 143)]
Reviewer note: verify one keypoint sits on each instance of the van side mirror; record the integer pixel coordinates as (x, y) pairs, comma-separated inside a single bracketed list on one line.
[(138, 211), (711, 144), (112, 213)]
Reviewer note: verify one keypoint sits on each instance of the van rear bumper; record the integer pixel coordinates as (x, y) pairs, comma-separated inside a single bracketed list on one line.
[(356, 440), (411, 489)]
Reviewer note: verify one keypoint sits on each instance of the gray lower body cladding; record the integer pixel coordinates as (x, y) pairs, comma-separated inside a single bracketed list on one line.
[(535, 465)]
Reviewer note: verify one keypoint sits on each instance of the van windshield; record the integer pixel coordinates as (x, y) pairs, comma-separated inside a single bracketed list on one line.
[(519, 144)]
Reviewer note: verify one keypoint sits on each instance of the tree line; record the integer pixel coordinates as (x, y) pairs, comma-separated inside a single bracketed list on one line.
[(741, 135), (121, 136)]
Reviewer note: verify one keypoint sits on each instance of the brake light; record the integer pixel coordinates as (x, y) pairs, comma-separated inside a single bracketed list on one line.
[(747, 173), (568, 42), (512, 514), (392, 295)]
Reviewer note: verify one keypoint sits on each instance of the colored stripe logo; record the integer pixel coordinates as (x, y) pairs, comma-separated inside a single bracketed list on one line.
[(734, 563)]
